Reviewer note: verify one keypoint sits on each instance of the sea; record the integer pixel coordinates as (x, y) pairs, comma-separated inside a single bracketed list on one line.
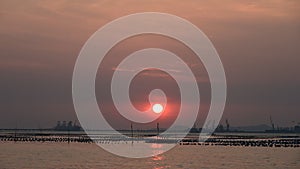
[(73, 155)]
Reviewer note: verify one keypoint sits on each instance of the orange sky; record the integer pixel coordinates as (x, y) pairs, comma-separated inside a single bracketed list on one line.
[(258, 43)]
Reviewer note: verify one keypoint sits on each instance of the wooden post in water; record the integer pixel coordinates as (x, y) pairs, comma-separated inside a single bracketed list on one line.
[(157, 127), (15, 135), (68, 136), (131, 128)]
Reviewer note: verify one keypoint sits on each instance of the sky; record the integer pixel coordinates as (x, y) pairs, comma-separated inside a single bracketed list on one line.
[(257, 41)]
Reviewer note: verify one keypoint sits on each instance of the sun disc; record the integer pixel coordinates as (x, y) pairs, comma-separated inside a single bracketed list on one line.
[(157, 108)]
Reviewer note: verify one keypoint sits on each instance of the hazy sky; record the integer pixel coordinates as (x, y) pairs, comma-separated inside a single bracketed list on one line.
[(258, 43)]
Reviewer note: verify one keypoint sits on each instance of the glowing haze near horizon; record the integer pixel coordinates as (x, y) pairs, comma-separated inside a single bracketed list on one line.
[(258, 43)]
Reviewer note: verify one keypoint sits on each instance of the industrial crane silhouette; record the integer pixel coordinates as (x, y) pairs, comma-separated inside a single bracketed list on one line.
[(227, 125), (272, 124)]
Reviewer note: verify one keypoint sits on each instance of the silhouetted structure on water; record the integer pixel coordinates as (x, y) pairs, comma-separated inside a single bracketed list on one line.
[(63, 126)]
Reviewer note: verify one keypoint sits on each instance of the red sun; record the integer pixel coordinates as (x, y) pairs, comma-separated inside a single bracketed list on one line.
[(157, 108)]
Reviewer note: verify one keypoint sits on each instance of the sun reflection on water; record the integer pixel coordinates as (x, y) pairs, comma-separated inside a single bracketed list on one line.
[(156, 145), (157, 158), (158, 161)]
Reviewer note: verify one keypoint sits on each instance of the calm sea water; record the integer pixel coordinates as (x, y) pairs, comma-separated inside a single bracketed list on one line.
[(84, 155)]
